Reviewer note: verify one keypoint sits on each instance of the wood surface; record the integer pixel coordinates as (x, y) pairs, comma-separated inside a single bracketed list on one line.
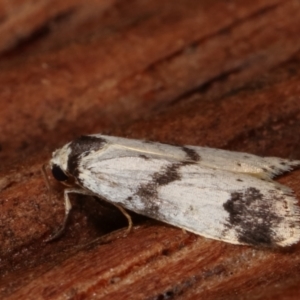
[(223, 74)]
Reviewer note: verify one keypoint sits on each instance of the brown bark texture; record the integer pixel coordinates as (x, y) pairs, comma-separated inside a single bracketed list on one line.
[(222, 74)]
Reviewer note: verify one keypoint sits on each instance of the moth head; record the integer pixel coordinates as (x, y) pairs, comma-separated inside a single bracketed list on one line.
[(66, 161), (58, 164), (58, 173)]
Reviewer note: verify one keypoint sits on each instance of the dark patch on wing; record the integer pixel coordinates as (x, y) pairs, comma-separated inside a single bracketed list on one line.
[(144, 156), (191, 154), (82, 147), (148, 193), (252, 217), (168, 175)]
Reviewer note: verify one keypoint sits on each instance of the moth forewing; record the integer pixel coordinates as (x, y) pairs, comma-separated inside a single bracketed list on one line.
[(223, 195)]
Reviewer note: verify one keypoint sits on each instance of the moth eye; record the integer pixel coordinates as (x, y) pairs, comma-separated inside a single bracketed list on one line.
[(58, 174)]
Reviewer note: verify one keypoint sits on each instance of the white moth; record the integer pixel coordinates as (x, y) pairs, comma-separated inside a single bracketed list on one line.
[(222, 195)]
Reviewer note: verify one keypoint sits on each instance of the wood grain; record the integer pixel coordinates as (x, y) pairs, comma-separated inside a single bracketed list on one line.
[(211, 73)]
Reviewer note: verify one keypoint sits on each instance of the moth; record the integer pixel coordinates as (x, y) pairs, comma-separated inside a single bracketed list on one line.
[(222, 195)]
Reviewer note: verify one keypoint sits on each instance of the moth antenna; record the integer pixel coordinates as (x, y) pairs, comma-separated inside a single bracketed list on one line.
[(49, 187), (44, 172), (47, 182)]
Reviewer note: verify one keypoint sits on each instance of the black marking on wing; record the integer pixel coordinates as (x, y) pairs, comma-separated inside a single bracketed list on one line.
[(191, 154), (82, 147), (148, 193), (252, 217), (168, 175)]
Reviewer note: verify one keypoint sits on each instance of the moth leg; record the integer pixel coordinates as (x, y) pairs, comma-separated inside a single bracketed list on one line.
[(121, 209), (68, 207), (128, 217)]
